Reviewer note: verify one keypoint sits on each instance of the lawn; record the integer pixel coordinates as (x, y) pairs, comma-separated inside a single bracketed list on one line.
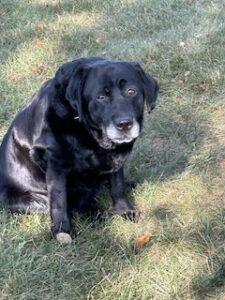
[(178, 162)]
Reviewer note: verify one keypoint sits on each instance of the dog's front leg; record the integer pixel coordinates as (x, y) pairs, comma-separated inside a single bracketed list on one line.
[(56, 184), (121, 205)]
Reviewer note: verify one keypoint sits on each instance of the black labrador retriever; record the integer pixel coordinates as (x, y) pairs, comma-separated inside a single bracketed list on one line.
[(77, 130)]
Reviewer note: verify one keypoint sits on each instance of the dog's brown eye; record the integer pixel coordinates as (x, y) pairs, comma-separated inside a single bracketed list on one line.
[(101, 98), (131, 92)]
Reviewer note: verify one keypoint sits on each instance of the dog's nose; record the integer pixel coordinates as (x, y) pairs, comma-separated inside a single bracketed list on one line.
[(124, 124)]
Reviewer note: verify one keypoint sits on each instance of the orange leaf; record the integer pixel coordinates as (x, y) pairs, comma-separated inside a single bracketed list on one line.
[(142, 241)]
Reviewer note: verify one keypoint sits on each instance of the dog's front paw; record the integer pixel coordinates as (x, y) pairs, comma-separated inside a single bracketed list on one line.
[(133, 215), (102, 216), (127, 211), (131, 184), (63, 238)]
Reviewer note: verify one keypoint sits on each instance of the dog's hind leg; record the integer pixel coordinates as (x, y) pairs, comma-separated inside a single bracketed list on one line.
[(23, 202)]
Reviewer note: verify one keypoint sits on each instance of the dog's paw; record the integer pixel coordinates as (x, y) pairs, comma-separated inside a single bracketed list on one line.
[(126, 210), (63, 238), (132, 214), (103, 217), (131, 184)]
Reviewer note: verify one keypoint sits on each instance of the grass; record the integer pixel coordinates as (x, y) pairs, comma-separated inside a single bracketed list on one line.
[(179, 161)]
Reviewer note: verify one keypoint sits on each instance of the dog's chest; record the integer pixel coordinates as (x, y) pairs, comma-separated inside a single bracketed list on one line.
[(112, 163), (100, 162)]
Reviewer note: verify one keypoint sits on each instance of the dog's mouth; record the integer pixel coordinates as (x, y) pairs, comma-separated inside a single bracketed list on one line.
[(122, 140), (118, 137), (110, 137)]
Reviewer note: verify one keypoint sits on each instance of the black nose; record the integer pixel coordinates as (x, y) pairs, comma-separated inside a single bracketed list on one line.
[(123, 124)]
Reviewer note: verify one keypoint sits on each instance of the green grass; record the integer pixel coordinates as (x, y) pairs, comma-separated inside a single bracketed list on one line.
[(179, 160)]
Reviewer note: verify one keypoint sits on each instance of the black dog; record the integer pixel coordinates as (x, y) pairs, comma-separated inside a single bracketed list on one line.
[(74, 132)]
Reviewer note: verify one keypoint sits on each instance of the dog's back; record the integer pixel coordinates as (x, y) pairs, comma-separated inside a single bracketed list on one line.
[(17, 186)]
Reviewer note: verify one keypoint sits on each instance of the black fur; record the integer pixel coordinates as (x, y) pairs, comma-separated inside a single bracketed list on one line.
[(78, 129)]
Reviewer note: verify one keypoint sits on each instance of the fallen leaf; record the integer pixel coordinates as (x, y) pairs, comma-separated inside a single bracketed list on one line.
[(180, 81), (154, 251), (63, 238), (222, 166), (187, 73), (182, 44), (37, 69), (176, 99), (40, 25), (15, 76), (142, 241), (39, 41)]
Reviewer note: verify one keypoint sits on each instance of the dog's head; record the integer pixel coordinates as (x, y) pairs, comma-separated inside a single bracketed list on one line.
[(108, 97)]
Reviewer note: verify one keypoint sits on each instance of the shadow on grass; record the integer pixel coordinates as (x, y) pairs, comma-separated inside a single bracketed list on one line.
[(24, 21), (205, 286), (204, 237), (27, 24), (32, 262), (167, 143)]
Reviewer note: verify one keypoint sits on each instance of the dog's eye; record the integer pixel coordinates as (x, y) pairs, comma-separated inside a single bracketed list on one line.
[(131, 92), (101, 98), (107, 91)]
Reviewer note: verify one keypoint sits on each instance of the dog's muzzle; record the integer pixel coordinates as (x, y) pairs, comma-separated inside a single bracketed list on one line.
[(122, 130)]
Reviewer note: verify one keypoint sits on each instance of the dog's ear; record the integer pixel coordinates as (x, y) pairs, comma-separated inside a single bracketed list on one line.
[(69, 81), (75, 89), (151, 87)]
